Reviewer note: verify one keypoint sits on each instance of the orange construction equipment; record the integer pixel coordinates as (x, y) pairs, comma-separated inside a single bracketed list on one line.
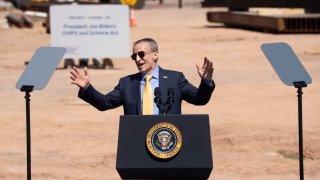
[(132, 21)]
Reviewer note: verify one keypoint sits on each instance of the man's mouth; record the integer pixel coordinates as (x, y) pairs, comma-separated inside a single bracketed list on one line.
[(139, 65)]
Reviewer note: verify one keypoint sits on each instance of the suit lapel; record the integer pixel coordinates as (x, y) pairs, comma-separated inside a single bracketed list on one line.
[(136, 92), (163, 84)]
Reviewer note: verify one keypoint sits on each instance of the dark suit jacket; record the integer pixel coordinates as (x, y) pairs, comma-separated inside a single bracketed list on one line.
[(127, 93)]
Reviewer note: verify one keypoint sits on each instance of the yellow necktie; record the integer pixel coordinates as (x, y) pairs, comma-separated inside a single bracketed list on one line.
[(147, 97)]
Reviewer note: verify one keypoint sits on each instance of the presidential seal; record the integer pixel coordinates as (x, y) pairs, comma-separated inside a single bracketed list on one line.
[(164, 140)]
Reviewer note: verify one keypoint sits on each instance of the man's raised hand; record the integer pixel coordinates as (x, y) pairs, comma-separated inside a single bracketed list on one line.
[(78, 78), (206, 71)]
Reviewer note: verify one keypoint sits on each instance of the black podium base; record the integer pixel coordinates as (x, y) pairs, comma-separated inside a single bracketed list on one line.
[(165, 173)]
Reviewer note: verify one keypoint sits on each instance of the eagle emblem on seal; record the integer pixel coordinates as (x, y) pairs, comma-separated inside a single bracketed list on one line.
[(164, 139)]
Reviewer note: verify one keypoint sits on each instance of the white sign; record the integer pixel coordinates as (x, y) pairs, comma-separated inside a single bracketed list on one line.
[(91, 30)]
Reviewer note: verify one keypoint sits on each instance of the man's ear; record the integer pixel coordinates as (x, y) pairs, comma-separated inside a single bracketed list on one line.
[(155, 56)]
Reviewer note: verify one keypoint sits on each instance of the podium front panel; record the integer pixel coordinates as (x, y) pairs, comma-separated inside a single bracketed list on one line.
[(194, 160)]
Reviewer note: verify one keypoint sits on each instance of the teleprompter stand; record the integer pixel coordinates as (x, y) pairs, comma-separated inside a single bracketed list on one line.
[(36, 76), (27, 90), (292, 73)]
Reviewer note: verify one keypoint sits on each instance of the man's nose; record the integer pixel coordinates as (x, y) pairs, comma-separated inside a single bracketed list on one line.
[(138, 58)]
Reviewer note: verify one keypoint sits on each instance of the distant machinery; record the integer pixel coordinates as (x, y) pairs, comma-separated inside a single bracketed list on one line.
[(43, 5)]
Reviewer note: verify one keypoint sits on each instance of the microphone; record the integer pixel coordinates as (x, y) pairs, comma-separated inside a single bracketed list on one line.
[(157, 100), (157, 95), (170, 99), (170, 96)]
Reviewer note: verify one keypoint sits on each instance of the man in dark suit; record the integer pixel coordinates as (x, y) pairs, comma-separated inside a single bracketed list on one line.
[(131, 89)]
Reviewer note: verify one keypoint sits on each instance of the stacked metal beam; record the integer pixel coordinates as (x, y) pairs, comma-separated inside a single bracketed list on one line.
[(238, 15), (305, 23)]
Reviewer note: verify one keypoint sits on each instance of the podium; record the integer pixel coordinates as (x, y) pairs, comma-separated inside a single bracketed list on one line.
[(193, 161)]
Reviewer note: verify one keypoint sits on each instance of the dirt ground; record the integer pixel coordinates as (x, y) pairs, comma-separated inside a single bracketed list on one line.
[(253, 116)]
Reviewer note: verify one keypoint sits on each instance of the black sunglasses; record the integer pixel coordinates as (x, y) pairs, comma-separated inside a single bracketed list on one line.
[(141, 54)]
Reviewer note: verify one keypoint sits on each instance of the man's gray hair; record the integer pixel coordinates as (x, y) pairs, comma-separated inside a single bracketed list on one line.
[(151, 43)]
